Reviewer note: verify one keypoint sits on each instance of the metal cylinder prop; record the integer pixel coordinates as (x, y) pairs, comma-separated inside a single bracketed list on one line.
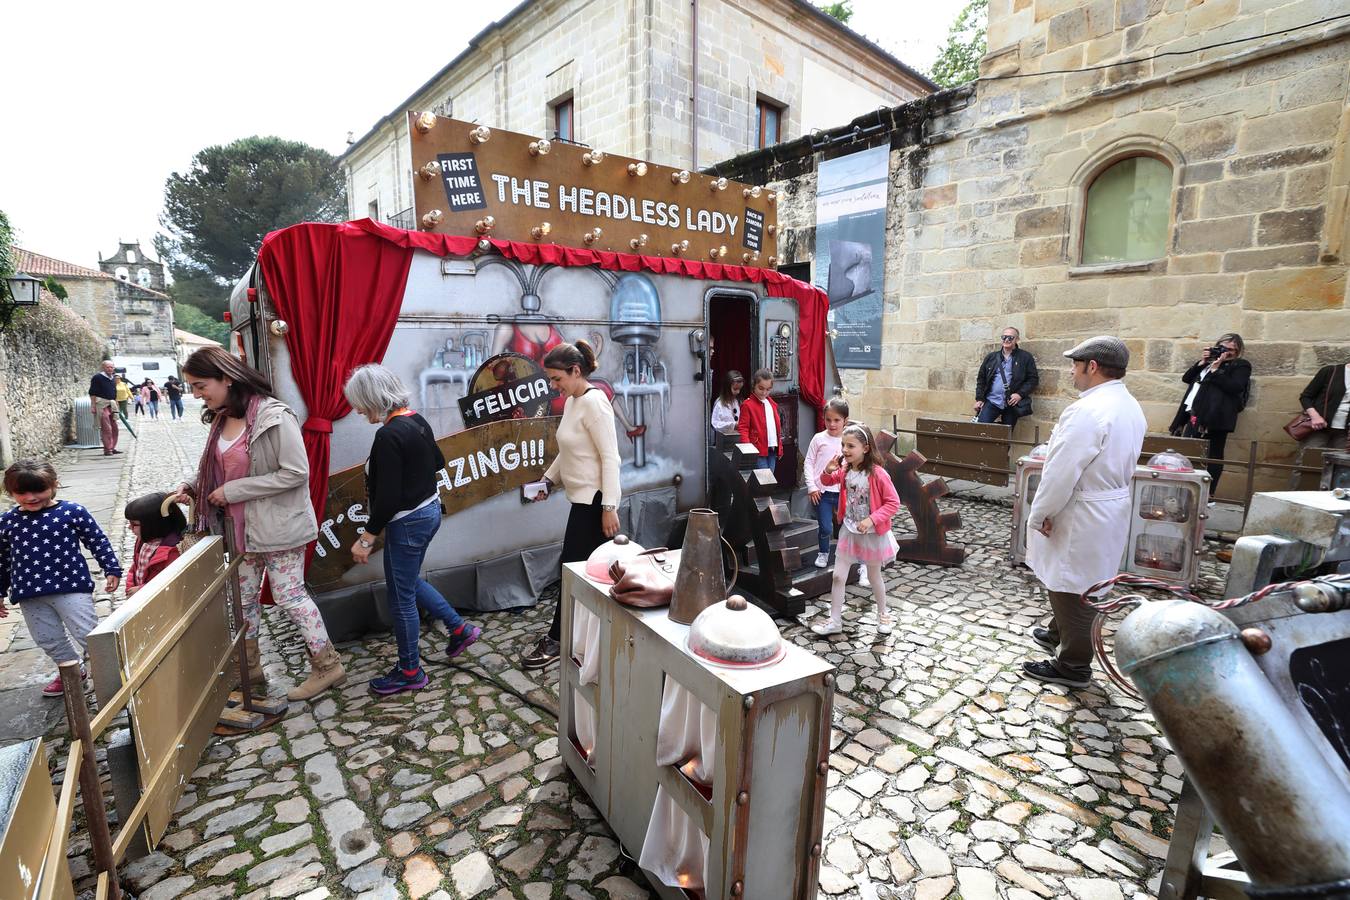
[(700, 581), (1282, 810)]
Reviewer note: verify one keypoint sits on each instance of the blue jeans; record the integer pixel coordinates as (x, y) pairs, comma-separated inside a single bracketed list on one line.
[(989, 413), (405, 546), (829, 502), (154, 409), (766, 462), (176, 407)]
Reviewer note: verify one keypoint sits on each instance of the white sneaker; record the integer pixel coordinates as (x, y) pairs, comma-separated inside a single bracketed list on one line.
[(828, 627), (822, 560), (862, 577), (885, 625)]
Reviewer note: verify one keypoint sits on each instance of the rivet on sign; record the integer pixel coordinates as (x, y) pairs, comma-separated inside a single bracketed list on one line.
[(749, 702), (278, 327), (638, 242), (426, 121), (540, 231), (480, 135), (773, 260), (742, 798), (429, 171), (591, 236), (773, 196), (637, 169), (485, 224), (432, 218), (718, 184), (592, 157), (679, 247), (680, 177), (540, 147)]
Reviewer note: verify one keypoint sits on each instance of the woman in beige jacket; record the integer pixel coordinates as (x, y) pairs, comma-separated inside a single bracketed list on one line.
[(254, 470)]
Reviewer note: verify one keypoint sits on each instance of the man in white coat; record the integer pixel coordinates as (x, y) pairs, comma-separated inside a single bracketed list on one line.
[(1079, 522)]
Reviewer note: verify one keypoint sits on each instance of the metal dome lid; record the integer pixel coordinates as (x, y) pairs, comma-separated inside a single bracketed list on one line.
[(621, 548), (733, 633), (1040, 451), (1170, 461)]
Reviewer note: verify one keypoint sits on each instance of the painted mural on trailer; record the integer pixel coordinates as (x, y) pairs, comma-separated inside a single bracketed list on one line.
[(476, 366)]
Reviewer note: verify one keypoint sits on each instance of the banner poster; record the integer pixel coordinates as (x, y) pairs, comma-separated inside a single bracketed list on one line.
[(850, 259), (480, 462)]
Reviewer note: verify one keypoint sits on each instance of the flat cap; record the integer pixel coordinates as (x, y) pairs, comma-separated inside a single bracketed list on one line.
[(1106, 350)]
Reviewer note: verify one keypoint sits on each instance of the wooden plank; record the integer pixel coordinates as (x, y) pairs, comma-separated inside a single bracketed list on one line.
[(55, 882), (574, 198), (949, 455)]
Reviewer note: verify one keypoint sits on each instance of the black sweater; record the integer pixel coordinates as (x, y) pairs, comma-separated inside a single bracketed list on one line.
[(1222, 393), (401, 472), (1325, 392)]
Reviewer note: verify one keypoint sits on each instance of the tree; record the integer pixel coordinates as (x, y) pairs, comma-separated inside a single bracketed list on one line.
[(841, 10), (217, 213), (959, 60), (190, 318)]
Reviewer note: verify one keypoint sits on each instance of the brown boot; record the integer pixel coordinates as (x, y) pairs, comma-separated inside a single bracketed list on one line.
[(256, 676), (325, 671)]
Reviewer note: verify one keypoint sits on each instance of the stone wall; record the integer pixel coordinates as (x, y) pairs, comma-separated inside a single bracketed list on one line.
[(986, 202), (49, 354), (626, 65)]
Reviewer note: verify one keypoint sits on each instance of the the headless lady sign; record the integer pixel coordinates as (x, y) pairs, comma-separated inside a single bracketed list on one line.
[(512, 446)]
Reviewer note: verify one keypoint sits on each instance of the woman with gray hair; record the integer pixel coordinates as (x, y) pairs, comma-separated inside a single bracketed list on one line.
[(403, 502)]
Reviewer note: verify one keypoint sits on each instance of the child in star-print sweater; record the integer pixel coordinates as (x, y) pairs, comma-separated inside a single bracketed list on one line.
[(42, 569)]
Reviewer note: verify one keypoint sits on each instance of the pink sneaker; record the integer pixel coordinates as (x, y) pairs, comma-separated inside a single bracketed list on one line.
[(53, 688)]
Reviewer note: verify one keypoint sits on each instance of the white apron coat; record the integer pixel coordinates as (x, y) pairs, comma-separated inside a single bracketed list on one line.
[(1085, 490)]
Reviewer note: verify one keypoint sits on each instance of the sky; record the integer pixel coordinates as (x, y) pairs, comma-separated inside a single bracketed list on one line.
[(106, 100)]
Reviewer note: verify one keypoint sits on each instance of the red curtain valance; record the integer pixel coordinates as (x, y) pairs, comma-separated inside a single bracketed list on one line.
[(340, 287)]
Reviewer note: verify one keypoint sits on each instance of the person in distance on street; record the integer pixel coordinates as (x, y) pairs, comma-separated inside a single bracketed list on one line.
[(1217, 391)]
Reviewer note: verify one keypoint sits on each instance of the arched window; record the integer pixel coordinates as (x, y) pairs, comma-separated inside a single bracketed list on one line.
[(143, 277), (1127, 212), (123, 273)]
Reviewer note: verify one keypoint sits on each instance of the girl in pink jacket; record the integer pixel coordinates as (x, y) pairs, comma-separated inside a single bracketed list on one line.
[(866, 505)]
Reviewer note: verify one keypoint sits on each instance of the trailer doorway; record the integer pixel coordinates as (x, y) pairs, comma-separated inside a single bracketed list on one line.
[(732, 343)]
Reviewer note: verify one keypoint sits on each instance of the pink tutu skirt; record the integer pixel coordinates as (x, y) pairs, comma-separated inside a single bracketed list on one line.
[(868, 548)]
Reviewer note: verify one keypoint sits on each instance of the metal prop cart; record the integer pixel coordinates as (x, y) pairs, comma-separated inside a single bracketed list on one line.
[(736, 809)]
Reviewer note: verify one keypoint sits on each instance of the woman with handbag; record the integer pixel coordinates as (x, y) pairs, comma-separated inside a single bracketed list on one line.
[(586, 467), (254, 468), (1218, 383), (404, 503), (1326, 413)]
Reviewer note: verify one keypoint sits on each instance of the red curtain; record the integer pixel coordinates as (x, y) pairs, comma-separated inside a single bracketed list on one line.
[(339, 288)]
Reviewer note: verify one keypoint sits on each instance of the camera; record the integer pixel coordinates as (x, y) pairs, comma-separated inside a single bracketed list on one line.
[(1215, 352)]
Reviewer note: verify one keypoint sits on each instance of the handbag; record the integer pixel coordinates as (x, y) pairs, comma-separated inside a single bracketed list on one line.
[(188, 538), (646, 581), (1300, 426)]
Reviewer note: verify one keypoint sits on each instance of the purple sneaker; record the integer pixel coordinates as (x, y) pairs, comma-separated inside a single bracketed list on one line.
[(397, 681), (461, 638)]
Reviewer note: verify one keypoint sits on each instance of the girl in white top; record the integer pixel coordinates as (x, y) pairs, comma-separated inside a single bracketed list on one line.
[(825, 497), (586, 468), (726, 411)]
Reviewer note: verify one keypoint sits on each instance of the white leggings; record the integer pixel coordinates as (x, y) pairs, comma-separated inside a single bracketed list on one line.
[(842, 564)]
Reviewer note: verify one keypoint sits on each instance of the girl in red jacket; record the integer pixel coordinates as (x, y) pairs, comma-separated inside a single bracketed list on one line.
[(865, 509), (157, 536), (759, 423)]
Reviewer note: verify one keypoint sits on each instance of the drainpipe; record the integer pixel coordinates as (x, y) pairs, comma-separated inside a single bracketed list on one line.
[(693, 94)]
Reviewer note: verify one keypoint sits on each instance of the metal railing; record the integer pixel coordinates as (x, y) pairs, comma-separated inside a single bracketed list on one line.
[(402, 219)]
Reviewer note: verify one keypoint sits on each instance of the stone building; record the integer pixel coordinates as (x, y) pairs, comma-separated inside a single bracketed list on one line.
[(617, 75), (1089, 184), (134, 319)]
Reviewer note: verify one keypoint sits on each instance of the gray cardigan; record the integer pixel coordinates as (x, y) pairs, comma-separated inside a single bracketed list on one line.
[(279, 515)]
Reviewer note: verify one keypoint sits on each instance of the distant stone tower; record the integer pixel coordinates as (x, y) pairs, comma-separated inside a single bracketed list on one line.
[(130, 264)]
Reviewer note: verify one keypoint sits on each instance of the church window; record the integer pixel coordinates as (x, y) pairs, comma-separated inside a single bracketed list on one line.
[(131, 256), (123, 273), (143, 276), (1127, 212)]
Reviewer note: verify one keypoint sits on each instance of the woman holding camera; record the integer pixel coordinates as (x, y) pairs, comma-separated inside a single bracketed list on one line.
[(1218, 384)]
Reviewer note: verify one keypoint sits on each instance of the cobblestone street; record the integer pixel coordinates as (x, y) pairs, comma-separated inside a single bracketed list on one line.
[(950, 775)]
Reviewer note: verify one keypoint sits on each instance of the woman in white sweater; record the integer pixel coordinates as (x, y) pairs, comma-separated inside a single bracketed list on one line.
[(586, 468)]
